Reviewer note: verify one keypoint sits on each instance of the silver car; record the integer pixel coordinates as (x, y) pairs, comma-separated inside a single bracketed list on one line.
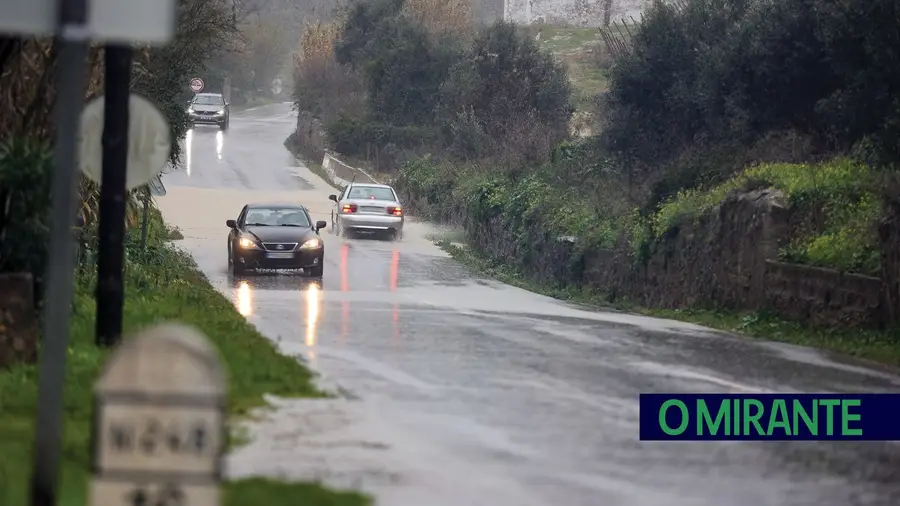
[(209, 108), (367, 208)]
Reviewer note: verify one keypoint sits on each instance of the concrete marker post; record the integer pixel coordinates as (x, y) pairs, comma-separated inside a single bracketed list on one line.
[(159, 422)]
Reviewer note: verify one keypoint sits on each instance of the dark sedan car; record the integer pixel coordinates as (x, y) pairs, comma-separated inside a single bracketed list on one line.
[(267, 236)]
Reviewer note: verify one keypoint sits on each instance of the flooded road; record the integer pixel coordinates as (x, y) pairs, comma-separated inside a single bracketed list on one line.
[(461, 391)]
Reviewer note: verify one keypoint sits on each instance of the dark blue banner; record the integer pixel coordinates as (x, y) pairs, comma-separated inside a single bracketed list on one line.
[(774, 417)]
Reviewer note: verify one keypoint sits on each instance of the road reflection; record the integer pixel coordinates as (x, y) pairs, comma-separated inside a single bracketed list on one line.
[(244, 298), (188, 143), (313, 306), (395, 314), (345, 287), (220, 143)]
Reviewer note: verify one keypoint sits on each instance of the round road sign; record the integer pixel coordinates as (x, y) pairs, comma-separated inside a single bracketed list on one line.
[(149, 141), (276, 87), (196, 85)]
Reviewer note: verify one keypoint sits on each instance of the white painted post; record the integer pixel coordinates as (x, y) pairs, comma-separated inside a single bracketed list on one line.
[(159, 422)]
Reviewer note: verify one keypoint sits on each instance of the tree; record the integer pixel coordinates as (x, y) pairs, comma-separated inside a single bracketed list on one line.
[(512, 92)]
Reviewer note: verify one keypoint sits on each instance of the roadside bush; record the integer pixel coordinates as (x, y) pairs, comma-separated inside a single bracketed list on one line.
[(324, 88), (26, 169), (507, 99), (356, 137), (835, 207), (492, 98), (721, 75)]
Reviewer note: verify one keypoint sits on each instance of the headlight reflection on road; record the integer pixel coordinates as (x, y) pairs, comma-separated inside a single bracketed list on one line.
[(220, 143), (395, 315), (187, 151), (244, 298), (313, 301), (345, 286), (345, 253)]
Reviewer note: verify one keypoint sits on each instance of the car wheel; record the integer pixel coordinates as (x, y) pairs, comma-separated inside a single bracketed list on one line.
[(317, 271), (224, 126), (237, 268)]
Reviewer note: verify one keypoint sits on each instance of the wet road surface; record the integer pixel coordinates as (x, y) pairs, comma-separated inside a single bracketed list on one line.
[(461, 391)]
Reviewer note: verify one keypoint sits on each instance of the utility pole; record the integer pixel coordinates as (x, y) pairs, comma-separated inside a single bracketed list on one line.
[(72, 22), (113, 195)]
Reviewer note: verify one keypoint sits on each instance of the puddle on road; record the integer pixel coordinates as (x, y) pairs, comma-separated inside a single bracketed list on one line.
[(302, 182)]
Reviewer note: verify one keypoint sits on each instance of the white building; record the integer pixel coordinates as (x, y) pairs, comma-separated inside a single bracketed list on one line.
[(574, 12)]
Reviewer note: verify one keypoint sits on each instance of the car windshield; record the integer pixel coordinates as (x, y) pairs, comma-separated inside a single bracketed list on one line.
[(371, 193), (209, 100), (277, 216)]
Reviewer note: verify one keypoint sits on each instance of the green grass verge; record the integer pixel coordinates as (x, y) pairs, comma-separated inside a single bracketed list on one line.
[(875, 345), (161, 284)]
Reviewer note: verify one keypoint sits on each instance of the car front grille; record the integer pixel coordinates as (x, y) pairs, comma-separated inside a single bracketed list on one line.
[(285, 246)]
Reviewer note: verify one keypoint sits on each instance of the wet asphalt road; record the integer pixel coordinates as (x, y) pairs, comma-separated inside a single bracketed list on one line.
[(461, 391)]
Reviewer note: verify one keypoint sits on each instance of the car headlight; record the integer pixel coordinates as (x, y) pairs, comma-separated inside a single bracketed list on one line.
[(190, 110), (248, 243), (219, 113), (311, 244)]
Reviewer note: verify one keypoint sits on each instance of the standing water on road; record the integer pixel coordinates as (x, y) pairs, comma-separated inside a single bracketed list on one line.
[(460, 391)]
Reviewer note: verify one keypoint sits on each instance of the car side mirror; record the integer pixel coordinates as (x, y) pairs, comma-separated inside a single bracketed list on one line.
[(231, 224), (320, 225), (332, 197)]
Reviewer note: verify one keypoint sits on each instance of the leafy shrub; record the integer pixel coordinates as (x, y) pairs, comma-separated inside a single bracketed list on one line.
[(358, 137), (518, 96), (834, 199), (708, 73), (492, 97), (26, 169)]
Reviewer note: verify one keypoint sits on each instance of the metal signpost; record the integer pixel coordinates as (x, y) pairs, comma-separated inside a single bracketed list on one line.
[(154, 189), (75, 23), (159, 422), (197, 85), (126, 167), (110, 294)]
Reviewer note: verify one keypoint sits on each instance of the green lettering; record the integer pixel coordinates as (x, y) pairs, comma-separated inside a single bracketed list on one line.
[(752, 418), (847, 417), (737, 418), (705, 420), (829, 417), (778, 418), (812, 424), (685, 418)]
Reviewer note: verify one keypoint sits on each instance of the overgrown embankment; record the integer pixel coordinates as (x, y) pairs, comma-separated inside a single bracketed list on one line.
[(796, 241), (732, 172)]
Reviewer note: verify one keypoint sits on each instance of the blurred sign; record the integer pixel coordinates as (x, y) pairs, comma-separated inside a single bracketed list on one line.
[(149, 141), (108, 20), (276, 87), (157, 189), (159, 433), (197, 85)]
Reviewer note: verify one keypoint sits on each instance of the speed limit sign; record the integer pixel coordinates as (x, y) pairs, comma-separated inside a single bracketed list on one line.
[(196, 85)]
